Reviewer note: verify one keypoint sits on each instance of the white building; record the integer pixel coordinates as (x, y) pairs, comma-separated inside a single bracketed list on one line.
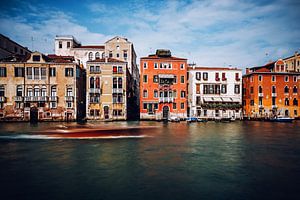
[(215, 92)]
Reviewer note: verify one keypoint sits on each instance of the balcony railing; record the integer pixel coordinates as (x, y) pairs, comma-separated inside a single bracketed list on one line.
[(95, 72), (260, 106), (117, 90), (118, 102), (95, 90), (274, 94), (69, 98), (260, 94), (2, 99), (18, 98), (43, 98), (166, 99), (94, 100), (35, 98), (53, 98)]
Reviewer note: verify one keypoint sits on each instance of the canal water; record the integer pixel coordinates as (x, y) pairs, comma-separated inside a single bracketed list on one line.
[(238, 160)]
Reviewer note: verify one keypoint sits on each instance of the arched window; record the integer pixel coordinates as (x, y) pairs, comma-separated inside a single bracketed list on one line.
[(97, 55), (90, 56), (69, 92), (53, 91), (29, 91), (120, 83), (286, 102), (145, 93), (92, 84), (19, 91), (286, 89), (44, 91), (295, 102), (97, 82), (295, 90), (259, 89), (273, 89), (36, 91)]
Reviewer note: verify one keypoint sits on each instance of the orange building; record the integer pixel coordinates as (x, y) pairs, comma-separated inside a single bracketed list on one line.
[(163, 86), (270, 91)]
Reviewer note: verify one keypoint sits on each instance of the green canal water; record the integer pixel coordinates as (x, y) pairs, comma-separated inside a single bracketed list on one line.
[(239, 160)]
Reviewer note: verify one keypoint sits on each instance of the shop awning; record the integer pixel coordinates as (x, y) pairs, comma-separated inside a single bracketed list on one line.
[(226, 99), (165, 75), (212, 99), (238, 100)]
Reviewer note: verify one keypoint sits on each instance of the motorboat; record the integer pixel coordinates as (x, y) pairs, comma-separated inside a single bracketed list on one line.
[(281, 119)]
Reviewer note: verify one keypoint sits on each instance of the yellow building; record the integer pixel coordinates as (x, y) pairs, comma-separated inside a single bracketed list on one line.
[(39, 88), (292, 63), (107, 89)]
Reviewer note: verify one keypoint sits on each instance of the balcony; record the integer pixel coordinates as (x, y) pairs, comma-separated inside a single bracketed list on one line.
[(117, 90), (69, 98), (95, 90), (53, 98), (2, 99), (18, 98), (43, 98), (31, 98), (274, 94), (260, 94), (166, 99)]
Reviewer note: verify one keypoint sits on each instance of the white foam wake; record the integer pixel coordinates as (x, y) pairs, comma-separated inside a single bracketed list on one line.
[(46, 137)]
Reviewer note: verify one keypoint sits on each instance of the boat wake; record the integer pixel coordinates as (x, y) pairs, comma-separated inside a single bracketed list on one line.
[(49, 137)]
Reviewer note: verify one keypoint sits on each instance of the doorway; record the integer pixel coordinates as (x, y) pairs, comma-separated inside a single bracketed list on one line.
[(106, 112), (165, 112), (34, 115)]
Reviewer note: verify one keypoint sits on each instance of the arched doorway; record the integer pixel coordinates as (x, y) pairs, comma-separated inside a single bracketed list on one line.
[(165, 112), (34, 115), (106, 112), (286, 113)]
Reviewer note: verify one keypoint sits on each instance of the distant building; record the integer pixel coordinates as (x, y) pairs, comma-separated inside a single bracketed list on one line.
[(271, 91), (215, 92), (292, 63), (117, 48), (9, 47), (41, 88), (163, 86)]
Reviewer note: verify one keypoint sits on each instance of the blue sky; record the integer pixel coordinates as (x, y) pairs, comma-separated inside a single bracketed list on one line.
[(239, 33)]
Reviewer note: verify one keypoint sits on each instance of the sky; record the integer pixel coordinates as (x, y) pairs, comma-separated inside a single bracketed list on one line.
[(220, 33)]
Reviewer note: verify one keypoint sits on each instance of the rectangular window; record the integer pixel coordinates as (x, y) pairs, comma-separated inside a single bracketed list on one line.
[(198, 76), (205, 76), (223, 89), (68, 45), (60, 45), (36, 72), (174, 106), (295, 78), (237, 89), (251, 90), (182, 94), (69, 72), (175, 79), (145, 78), (273, 101), (36, 58), (144, 106), (217, 76), (224, 76), (182, 79), (2, 71), (273, 78), (155, 79), (237, 77), (145, 65), (145, 93), (115, 69), (110, 54), (155, 65), (125, 54), (182, 105), (120, 69), (19, 72), (155, 93), (52, 71), (252, 102), (43, 73)]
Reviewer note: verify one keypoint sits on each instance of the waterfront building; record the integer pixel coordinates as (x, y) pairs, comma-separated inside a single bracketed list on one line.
[(215, 92), (9, 47), (118, 48), (163, 86), (270, 91), (108, 90), (40, 88)]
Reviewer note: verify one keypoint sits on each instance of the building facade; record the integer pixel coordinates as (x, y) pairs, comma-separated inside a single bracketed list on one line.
[(40, 88), (107, 90), (215, 92), (270, 91), (9, 47), (163, 86), (116, 48), (292, 63)]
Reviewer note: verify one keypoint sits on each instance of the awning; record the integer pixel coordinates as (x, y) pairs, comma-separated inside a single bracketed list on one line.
[(165, 75), (238, 100), (212, 99), (226, 99)]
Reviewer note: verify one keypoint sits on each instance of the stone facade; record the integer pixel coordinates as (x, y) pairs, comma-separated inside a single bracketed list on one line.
[(215, 92), (292, 63), (40, 88)]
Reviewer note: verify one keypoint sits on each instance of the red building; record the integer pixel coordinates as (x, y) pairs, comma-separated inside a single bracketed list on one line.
[(163, 86)]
